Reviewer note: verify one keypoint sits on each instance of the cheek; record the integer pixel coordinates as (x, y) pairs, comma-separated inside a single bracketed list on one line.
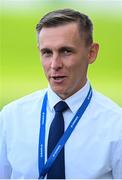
[(45, 65), (78, 69), (45, 69)]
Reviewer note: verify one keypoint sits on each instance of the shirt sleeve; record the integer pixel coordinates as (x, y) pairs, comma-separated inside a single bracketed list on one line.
[(5, 168), (117, 157)]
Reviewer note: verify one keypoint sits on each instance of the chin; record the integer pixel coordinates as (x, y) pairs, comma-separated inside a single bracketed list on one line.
[(60, 92)]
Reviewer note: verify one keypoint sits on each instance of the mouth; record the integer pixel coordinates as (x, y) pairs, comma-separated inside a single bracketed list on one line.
[(58, 79)]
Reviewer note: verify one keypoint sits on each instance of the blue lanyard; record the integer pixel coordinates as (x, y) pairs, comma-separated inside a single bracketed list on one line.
[(44, 167)]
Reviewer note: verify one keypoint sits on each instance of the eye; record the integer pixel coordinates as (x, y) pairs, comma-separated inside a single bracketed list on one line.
[(66, 51), (46, 53)]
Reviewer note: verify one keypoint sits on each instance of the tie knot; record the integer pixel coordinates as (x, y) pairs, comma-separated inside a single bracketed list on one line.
[(61, 106)]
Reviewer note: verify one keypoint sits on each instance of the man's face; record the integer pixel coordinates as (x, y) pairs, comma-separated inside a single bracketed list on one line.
[(64, 58)]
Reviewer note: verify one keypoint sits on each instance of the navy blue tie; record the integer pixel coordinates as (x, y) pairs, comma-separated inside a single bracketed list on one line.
[(57, 171)]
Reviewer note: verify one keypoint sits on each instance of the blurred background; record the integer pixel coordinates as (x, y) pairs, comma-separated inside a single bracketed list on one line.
[(20, 68)]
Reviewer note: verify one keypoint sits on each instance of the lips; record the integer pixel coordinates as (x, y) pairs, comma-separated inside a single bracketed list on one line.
[(58, 78)]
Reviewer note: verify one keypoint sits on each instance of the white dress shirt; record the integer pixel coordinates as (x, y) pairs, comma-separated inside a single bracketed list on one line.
[(94, 149)]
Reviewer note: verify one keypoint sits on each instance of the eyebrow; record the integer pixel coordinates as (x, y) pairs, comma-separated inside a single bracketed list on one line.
[(45, 50), (67, 48), (61, 49)]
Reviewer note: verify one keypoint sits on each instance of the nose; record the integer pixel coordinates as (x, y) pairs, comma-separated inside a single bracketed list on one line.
[(56, 62)]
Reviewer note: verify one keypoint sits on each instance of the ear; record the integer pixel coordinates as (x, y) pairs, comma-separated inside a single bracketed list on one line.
[(93, 51)]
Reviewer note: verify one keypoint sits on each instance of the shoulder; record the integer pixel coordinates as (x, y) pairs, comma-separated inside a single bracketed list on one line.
[(106, 107), (106, 103), (25, 102), (108, 114)]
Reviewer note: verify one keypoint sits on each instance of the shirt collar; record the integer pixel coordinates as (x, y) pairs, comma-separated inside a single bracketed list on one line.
[(74, 101)]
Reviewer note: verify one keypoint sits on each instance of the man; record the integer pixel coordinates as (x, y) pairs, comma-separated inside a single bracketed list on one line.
[(67, 131)]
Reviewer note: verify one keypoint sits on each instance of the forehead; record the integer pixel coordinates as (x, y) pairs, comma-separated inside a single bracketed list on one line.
[(60, 35)]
